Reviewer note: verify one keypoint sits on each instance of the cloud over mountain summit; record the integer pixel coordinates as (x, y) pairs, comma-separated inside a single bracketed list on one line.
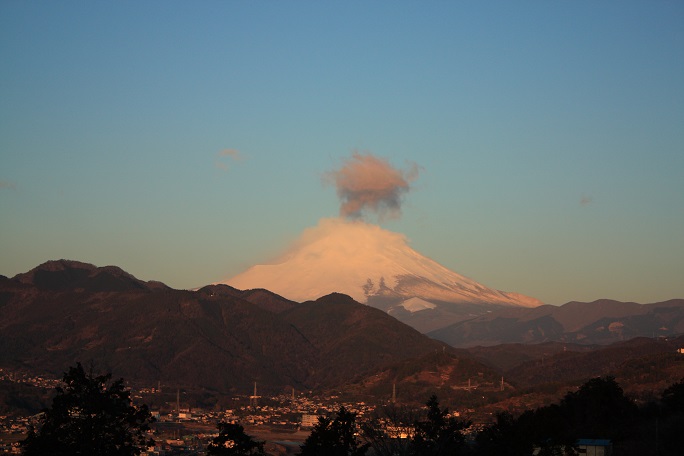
[(367, 184)]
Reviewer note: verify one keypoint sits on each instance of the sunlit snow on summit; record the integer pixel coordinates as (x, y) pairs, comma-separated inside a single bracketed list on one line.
[(364, 260)]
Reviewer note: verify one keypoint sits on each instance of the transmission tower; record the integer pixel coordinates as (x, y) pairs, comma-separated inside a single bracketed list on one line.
[(254, 399)]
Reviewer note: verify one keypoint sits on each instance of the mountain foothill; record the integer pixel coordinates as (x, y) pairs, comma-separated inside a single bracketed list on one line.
[(222, 339)]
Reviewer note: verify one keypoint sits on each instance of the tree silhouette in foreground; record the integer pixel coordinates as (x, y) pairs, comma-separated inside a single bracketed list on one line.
[(439, 434), (411, 432), (391, 429), (503, 438), (336, 437), (232, 441), (668, 428), (90, 415), (599, 409)]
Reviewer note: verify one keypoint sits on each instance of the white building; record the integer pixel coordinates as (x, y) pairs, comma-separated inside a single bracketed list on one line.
[(309, 421)]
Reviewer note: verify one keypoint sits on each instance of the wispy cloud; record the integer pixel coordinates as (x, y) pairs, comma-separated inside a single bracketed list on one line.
[(233, 153), (230, 154), (369, 184), (586, 200)]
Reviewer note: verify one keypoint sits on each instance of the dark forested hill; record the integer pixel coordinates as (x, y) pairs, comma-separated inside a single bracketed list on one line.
[(216, 337), (352, 339)]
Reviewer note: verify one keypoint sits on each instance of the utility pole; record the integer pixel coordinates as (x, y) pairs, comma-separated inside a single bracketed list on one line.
[(178, 403)]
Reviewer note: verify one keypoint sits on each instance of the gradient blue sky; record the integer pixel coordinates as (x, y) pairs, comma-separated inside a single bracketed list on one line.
[(550, 135)]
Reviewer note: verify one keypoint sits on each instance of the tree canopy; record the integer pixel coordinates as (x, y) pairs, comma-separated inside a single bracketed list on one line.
[(334, 437), (391, 429), (232, 441), (90, 415), (438, 434), (598, 410)]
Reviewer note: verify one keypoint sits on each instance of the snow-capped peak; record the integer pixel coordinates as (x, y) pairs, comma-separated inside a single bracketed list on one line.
[(364, 260)]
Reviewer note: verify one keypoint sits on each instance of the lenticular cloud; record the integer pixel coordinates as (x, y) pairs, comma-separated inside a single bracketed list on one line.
[(369, 184)]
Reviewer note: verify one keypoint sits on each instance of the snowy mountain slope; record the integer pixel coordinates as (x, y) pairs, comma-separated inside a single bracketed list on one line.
[(416, 304), (365, 261)]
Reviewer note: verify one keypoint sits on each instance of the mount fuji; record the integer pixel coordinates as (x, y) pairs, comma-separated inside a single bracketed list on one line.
[(377, 267)]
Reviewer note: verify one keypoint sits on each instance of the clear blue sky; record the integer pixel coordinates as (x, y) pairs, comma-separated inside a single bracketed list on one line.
[(550, 135)]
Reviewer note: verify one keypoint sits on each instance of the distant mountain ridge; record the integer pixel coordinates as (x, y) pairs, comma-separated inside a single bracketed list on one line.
[(59, 275), (600, 322)]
